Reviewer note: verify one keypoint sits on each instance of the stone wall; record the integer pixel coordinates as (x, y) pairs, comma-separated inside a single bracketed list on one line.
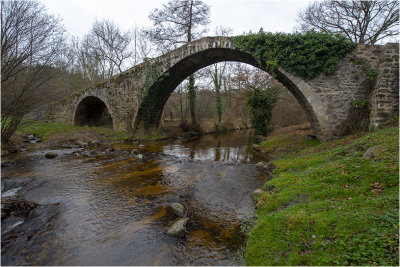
[(326, 98), (385, 98)]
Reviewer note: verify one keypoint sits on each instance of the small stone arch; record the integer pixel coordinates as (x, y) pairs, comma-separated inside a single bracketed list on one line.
[(151, 108), (92, 111)]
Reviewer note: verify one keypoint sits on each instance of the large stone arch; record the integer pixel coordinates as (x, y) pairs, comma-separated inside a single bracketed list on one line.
[(92, 111), (151, 108), (326, 98)]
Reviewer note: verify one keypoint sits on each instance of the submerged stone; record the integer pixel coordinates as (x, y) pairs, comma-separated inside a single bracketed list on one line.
[(178, 228), (80, 143), (51, 155), (178, 209)]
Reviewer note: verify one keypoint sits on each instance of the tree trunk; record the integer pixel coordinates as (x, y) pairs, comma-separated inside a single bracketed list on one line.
[(192, 99), (191, 87)]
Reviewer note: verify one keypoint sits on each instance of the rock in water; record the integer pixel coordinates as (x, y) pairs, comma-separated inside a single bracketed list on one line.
[(51, 155), (80, 143), (256, 194), (178, 228), (264, 166), (178, 209)]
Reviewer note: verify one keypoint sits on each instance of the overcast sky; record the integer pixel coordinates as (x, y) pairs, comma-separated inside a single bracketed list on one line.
[(239, 15)]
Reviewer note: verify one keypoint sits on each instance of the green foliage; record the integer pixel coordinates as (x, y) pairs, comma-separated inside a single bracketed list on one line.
[(304, 55), (372, 74), (334, 207), (154, 76), (246, 223), (218, 101), (192, 98), (279, 145), (260, 105), (359, 102)]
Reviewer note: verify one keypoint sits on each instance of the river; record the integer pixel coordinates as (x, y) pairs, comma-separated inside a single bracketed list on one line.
[(108, 204)]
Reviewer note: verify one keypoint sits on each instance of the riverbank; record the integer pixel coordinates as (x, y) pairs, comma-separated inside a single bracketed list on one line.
[(334, 203), (57, 134)]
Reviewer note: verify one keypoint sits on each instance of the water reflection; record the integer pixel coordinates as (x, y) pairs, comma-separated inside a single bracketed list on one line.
[(218, 148)]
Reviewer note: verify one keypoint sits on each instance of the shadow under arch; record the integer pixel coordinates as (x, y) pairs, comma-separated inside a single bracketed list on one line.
[(92, 111), (151, 108)]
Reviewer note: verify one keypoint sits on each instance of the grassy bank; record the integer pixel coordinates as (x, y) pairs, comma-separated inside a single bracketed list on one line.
[(56, 130), (334, 203)]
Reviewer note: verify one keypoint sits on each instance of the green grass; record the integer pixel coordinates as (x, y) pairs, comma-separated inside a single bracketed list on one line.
[(282, 144), (329, 205), (50, 130)]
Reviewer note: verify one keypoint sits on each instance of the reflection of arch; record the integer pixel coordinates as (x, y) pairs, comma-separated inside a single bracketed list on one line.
[(150, 110), (92, 111)]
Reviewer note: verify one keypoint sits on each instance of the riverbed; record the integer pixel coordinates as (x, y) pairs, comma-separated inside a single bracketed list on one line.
[(108, 204)]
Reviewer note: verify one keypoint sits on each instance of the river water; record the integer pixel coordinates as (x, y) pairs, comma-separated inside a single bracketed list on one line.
[(109, 205)]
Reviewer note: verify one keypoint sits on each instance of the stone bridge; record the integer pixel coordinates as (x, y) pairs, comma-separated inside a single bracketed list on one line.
[(135, 98)]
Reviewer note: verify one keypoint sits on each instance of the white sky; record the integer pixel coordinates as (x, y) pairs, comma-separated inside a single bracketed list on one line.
[(240, 15)]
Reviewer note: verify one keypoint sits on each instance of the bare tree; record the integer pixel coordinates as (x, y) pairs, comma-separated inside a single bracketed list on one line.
[(217, 79), (217, 73), (31, 41), (86, 62), (178, 23), (366, 22), (144, 46), (104, 51)]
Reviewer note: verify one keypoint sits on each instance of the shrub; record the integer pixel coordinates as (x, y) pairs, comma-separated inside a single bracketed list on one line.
[(260, 105)]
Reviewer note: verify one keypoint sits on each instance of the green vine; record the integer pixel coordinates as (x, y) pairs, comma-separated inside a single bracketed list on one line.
[(357, 103), (372, 74), (304, 55), (153, 75)]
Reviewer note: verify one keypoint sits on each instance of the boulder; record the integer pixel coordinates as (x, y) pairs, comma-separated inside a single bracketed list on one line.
[(80, 143), (256, 194), (178, 228), (50, 155), (257, 148), (178, 209), (370, 153), (265, 166)]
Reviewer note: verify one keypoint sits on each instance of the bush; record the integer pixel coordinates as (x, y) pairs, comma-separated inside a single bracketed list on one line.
[(260, 105)]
